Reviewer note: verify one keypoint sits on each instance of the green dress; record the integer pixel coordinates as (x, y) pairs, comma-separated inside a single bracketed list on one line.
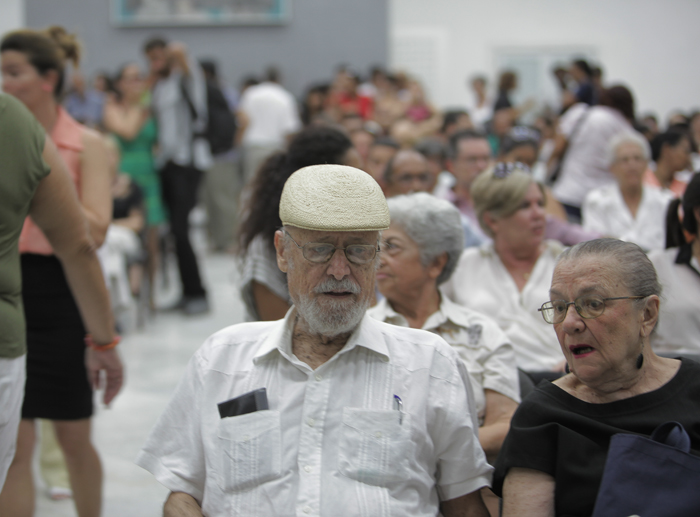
[(137, 162)]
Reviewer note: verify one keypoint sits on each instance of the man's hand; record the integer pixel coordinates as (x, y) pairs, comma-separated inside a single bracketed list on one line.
[(180, 504), (107, 360)]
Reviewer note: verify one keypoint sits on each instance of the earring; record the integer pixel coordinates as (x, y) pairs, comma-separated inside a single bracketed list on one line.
[(640, 361)]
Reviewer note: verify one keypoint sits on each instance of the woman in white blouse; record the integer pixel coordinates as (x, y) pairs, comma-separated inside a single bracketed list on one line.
[(508, 279), (678, 267), (420, 251), (627, 209)]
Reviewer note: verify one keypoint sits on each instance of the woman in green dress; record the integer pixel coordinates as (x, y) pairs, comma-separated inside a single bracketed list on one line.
[(127, 116)]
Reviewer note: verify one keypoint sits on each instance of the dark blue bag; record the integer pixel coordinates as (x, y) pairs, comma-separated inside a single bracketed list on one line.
[(650, 477)]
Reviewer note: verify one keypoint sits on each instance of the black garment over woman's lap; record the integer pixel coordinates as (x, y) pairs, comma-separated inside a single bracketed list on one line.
[(57, 387)]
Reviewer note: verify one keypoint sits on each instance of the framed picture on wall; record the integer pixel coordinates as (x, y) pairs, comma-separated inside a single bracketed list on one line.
[(149, 13)]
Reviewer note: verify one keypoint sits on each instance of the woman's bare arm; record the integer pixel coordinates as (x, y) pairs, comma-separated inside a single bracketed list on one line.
[(57, 211), (499, 411), (95, 193), (125, 123), (528, 493)]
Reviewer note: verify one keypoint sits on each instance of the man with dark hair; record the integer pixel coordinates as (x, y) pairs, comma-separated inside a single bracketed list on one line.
[(469, 154), (179, 103), (408, 171)]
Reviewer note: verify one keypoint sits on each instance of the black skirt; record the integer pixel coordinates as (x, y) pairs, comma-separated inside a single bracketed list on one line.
[(57, 386)]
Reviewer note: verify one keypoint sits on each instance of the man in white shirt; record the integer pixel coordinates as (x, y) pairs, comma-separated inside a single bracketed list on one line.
[(267, 115), (364, 418)]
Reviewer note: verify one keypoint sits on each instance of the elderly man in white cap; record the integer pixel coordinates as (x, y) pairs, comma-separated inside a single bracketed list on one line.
[(328, 411)]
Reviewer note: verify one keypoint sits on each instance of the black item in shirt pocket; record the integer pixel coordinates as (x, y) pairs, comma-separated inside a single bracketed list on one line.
[(250, 402)]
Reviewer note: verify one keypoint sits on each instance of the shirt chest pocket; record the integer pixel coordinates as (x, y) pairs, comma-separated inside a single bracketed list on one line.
[(251, 449), (375, 446)]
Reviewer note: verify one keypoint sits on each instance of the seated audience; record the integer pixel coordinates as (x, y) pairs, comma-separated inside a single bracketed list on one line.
[(671, 154), (678, 267), (505, 278), (604, 306), (263, 286), (627, 209)]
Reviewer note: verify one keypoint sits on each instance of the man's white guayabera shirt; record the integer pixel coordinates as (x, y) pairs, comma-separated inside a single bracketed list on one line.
[(335, 441)]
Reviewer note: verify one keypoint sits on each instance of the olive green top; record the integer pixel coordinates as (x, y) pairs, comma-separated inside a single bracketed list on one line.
[(21, 170)]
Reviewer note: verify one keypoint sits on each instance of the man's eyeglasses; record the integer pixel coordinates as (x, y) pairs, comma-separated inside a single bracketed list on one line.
[(321, 252), (588, 307)]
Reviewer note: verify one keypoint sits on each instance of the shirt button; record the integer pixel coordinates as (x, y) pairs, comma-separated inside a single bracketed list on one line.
[(311, 422), (307, 509), (246, 438), (378, 434), (307, 468), (319, 377)]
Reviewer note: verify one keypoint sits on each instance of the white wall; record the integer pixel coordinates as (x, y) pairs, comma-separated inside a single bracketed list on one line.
[(11, 15), (652, 46)]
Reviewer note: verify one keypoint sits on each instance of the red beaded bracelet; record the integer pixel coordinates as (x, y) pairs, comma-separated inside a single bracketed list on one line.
[(89, 342)]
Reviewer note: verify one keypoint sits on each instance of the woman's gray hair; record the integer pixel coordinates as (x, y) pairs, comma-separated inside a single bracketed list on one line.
[(627, 137), (633, 266), (433, 224)]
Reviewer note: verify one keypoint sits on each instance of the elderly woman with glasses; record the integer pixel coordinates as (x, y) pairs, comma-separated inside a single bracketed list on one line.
[(507, 278), (604, 305), (419, 252)]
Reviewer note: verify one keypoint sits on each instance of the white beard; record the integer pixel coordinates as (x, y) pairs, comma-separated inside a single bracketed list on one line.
[(332, 317)]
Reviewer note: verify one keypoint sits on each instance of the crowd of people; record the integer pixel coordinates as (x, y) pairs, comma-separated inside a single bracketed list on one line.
[(466, 224)]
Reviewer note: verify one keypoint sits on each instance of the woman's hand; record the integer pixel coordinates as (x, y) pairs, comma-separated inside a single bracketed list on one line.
[(108, 361)]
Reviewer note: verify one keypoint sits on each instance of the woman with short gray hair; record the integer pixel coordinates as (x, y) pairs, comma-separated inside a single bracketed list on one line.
[(603, 305), (628, 209), (420, 250)]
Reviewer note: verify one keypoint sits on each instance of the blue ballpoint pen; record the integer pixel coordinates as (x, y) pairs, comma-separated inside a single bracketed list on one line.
[(398, 405)]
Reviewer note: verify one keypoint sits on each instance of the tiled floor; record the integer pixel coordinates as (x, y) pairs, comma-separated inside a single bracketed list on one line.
[(154, 357)]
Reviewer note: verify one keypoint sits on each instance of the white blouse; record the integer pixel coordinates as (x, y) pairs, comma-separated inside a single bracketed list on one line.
[(482, 283), (604, 211), (678, 329), (480, 343)]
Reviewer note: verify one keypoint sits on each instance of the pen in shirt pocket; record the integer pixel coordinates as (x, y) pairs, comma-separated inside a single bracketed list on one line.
[(398, 406)]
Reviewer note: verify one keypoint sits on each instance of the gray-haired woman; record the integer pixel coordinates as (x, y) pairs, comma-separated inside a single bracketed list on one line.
[(420, 251), (604, 305), (628, 209)]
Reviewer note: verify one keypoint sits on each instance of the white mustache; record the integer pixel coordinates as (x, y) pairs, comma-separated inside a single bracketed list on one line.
[(331, 284)]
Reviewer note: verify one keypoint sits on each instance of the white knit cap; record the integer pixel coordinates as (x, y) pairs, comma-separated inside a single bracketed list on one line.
[(333, 198)]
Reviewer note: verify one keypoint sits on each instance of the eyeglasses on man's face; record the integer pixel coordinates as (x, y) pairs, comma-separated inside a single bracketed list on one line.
[(322, 252), (588, 307)]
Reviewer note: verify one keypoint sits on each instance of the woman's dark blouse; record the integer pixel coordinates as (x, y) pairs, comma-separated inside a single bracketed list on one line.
[(567, 438)]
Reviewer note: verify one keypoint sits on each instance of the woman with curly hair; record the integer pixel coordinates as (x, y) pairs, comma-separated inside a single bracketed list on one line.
[(263, 286)]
